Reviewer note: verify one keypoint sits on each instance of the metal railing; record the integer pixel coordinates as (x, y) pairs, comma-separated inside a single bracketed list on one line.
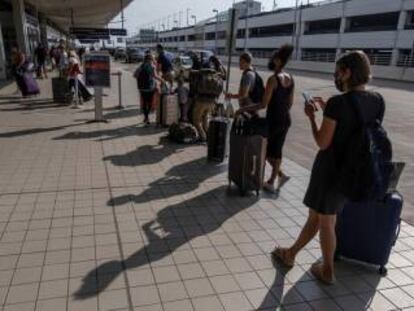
[(405, 61), (380, 59), (328, 57)]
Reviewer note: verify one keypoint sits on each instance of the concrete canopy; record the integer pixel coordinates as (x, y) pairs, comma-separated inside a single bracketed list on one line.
[(85, 13)]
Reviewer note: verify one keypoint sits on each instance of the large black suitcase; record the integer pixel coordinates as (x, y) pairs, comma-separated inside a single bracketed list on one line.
[(367, 231), (60, 90), (247, 160), (218, 137)]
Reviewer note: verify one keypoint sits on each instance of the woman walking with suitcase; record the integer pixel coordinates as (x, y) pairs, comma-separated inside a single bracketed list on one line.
[(340, 121), (278, 100)]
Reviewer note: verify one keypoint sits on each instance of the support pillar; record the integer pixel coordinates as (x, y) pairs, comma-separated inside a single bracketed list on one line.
[(19, 19), (2, 58)]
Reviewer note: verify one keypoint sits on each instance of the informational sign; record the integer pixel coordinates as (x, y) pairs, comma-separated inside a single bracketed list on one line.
[(98, 70), (96, 33), (117, 32), (231, 41), (90, 33), (231, 32)]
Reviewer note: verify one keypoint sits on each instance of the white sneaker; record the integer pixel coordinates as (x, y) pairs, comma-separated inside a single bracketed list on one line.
[(269, 188)]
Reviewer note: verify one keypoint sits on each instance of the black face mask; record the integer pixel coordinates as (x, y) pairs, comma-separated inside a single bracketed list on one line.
[(339, 84)]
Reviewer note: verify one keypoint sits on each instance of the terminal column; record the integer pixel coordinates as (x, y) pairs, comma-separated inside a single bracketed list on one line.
[(401, 25), (2, 58), (19, 18)]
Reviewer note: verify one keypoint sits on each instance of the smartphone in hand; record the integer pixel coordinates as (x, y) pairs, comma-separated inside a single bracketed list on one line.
[(308, 98)]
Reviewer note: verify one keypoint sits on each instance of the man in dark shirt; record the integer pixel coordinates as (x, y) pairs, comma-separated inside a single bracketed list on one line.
[(164, 65), (41, 54)]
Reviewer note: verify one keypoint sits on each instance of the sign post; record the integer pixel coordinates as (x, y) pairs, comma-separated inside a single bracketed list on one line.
[(97, 75), (231, 42)]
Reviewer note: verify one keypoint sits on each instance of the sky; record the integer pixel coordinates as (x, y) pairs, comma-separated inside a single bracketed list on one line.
[(141, 13)]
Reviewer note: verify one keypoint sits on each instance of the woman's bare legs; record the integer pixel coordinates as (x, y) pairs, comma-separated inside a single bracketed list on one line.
[(308, 232), (327, 236), (275, 164)]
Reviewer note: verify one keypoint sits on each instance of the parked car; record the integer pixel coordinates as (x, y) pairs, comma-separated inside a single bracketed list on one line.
[(120, 53), (182, 66), (134, 55), (203, 56)]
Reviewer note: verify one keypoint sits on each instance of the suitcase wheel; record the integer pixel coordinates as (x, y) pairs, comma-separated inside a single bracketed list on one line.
[(382, 271)]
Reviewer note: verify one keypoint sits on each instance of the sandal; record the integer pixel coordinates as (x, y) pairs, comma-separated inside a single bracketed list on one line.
[(316, 271), (280, 254)]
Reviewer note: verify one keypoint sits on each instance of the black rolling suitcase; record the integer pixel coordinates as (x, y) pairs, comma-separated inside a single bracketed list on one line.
[(218, 137), (60, 90), (367, 231), (247, 158)]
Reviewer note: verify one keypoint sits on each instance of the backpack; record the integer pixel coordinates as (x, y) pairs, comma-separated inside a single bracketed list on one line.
[(366, 168), (209, 83), (183, 133), (144, 80), (257, 93)]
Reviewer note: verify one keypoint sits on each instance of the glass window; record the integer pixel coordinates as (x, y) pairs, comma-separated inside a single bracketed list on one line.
[(374, 22)]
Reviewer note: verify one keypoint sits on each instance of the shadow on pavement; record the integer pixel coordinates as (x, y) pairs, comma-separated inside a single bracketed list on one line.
[(284, 292), (208, 211), (36, 130), (44, 104), (186, 177), (114, 133), (147, 154)]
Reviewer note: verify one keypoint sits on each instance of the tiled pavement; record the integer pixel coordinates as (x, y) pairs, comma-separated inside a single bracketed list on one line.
[(115, 217)]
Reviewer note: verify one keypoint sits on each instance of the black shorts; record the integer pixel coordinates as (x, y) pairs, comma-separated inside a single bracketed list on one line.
[(275, 142)]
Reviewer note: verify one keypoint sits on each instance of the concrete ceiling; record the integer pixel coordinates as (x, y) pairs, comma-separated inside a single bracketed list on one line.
[(86, 13)]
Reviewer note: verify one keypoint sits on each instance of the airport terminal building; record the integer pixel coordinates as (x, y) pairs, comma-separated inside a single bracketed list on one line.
[(320, 31), (27, 23)]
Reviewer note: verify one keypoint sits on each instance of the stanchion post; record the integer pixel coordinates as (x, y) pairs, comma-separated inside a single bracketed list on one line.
[(98, 105), (120, 106)]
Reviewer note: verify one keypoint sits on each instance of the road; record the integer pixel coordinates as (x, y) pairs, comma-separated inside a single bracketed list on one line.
[(399, 117)]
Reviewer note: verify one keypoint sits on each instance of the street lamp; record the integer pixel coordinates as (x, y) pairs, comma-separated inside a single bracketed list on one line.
[(194, 18), (246, 25), (215, 34)]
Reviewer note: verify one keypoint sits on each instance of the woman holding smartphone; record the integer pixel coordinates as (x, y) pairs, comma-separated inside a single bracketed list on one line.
[(278, 100), (332, 136)]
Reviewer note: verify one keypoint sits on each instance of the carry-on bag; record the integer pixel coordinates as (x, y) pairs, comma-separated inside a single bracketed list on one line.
[(218, 139), (183, 133), (168, 110), (367, 231), (60, 90), (247, 159), (30, 86)]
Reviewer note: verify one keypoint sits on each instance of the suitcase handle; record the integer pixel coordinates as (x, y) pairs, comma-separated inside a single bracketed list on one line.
[(254, 165)]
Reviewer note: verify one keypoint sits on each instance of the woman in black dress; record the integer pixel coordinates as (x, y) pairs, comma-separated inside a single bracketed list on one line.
[(332, 137), (278, 100)]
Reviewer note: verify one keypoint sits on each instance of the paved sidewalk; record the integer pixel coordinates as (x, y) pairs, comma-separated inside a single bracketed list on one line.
[(115, 217)]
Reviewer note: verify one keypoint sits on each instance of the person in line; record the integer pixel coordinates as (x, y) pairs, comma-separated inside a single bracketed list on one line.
[(41, 55), (165, 66), (147, 75), (74, 71), (183, 98), (278, 99), (332, 136), (52, 56), (63, 63), (247, 82), (18, 61)]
